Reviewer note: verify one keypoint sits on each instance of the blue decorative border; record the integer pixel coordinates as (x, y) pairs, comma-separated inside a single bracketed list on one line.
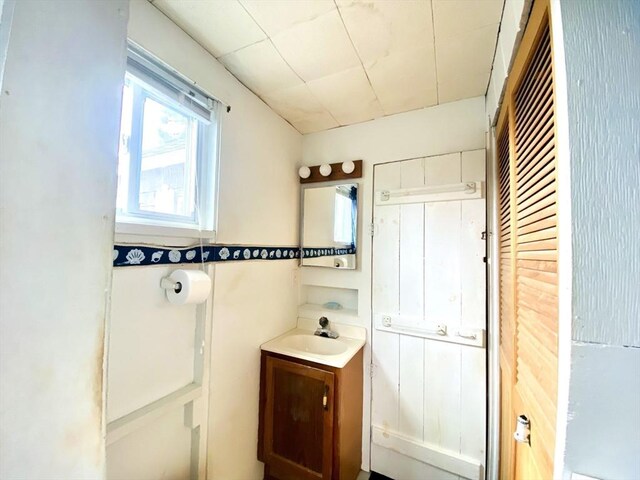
[(136, 255), (326, 252), (139, 255)]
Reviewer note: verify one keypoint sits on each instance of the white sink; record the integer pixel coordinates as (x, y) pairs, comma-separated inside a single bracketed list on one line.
[(302, 343), (313, 344)]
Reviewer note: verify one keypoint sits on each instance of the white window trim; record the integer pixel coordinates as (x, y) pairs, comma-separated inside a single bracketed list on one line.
[(134, 227), (161, 230)]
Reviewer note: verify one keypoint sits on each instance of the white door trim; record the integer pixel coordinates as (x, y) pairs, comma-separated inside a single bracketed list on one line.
[(444, 459)]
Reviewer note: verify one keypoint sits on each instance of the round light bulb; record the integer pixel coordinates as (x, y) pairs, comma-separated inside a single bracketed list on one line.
[(325, 169), (348, 167), (304, 172)]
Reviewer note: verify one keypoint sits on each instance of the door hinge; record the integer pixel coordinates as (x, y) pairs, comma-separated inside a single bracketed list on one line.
[(372, 229), (484, 235), (371, 370)]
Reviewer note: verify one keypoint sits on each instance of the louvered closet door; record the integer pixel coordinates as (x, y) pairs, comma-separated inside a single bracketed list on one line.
[(507, 319), (528, 266)]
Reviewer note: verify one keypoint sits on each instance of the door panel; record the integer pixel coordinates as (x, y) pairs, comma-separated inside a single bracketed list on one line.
[(528, 254), (298, 419), (428, 398)]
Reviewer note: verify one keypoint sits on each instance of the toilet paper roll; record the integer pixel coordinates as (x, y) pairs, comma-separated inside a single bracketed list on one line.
[(194, 287)]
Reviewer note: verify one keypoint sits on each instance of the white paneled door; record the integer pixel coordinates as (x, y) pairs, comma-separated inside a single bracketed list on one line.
[(429, 320)]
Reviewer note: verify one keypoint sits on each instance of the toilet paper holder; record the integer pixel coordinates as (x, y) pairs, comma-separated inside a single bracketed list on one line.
[(168, 284)]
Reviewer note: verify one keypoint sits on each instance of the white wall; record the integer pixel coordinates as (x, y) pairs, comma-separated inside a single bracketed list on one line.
[(603, 97), (59, 122), (514, 20), (446, 128), (258, 204)]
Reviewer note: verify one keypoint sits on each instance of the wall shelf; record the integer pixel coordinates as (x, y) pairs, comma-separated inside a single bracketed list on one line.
[(313, 311)]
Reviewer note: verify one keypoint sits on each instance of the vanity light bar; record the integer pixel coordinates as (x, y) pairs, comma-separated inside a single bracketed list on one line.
[(329, 172)]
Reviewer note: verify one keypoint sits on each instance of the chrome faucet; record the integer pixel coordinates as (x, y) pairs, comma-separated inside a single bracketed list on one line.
[(323, 330)]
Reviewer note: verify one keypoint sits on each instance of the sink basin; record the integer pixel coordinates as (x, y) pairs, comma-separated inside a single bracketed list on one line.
[(302, 343), (314, 344)]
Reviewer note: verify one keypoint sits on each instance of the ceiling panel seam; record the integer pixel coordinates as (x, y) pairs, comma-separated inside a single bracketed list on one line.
[(358, 54), (183, 30), (435, 53), (292, 69), (270, 41), (495, 50), (288, 65), (285, 61)]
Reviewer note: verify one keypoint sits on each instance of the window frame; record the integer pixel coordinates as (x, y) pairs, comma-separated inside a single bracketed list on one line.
[(136, 221)]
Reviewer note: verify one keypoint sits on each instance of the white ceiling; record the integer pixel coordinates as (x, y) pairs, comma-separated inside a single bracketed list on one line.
[(324, 63)]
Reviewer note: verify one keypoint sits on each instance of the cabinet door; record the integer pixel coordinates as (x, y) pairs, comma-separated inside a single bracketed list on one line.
[(298, 433)]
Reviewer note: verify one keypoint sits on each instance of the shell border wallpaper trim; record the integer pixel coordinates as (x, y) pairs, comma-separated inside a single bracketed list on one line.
[(125, 255)]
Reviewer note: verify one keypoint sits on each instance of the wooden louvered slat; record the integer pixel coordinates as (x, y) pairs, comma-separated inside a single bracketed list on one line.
[(507, 326), (545, 328), (506, 422), (544, 203), (504, 193), (528, 93), (540, 163), (533, 113), (542, 272), (539, 192), (526, 270), (541, 115), (537, 134), (543, 167), (542, 303), (539, 235), (539, 360), (534, 108), (536, 283), (534, 64), (546, 267), (528, 82), (541, 245), (545, 331), (543, 255), (544, 136), (539, 111), (536, 225), (537, 216)]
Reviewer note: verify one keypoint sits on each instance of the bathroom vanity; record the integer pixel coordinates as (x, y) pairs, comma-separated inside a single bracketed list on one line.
[(311, 406)]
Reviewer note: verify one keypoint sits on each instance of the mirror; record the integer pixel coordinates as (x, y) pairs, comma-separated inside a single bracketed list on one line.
[(329, 226)]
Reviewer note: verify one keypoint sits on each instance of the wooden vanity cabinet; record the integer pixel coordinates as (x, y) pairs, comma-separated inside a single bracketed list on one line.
[(310, 419)]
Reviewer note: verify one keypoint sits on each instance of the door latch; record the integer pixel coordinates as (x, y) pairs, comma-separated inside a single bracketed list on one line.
[(522, 432)]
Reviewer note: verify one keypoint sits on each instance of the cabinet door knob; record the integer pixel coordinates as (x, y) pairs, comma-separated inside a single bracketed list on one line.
[(325, 398)]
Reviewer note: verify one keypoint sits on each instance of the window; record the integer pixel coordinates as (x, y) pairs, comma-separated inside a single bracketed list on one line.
[(344, 219), (168, 149)]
